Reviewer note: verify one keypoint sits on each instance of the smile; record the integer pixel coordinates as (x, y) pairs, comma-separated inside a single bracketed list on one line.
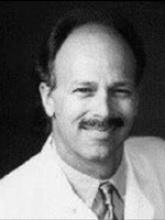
[(105, 126), (101, 129)]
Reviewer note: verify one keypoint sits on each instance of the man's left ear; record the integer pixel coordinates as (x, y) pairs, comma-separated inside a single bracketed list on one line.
[(47, 99)]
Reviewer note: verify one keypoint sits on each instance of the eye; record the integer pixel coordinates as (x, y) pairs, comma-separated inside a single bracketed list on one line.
[(122, 93), (83, 90)]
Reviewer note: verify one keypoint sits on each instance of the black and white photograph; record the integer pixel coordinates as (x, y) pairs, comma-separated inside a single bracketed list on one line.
[(82, 91)]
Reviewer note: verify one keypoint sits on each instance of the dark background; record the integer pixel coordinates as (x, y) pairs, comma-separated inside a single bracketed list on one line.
[(23, 26)]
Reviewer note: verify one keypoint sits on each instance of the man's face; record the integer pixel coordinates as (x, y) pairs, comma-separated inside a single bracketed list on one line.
[(94, 99)]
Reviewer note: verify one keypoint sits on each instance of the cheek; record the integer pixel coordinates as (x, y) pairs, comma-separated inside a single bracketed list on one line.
[(128, 108), (70, 108)]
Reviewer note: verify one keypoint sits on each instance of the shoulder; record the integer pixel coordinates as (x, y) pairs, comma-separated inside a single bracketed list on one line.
[(145, 144), (26, 176), (30, 171), (23, 190), (145, 140), (26, 173), (18, 187), (147, 151)]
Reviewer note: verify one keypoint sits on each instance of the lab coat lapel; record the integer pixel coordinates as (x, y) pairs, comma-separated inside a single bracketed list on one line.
[(137, 205), (70, 206)]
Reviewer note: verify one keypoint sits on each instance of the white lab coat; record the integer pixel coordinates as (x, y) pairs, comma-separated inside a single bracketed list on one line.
[(39, 189)]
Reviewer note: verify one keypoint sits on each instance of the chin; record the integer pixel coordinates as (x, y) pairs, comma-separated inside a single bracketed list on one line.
[(101, 152)]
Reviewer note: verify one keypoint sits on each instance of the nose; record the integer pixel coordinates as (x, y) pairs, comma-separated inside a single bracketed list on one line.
[(102, 106)]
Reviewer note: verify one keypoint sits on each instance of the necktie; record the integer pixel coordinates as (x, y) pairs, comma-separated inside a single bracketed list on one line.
[(108, 204)]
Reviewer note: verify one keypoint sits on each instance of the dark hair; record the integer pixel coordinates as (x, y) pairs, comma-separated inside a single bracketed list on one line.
[(77, 18)]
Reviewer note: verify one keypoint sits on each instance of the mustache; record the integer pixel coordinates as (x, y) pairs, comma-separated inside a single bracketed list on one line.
[(104, 125)]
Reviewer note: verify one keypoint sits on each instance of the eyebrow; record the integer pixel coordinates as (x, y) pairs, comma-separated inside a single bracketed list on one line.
[(115, 84), (84, 83), (123, 83)]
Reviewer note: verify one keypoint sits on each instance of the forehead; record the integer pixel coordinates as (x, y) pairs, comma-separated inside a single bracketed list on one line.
[(91, 49)]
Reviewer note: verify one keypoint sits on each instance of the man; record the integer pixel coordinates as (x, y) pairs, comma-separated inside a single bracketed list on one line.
[(90, 73)]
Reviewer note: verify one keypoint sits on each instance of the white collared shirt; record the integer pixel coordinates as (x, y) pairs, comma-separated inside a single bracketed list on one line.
[(86, 187)]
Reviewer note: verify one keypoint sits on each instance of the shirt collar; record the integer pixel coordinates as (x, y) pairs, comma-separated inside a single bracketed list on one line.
[(86, 186)]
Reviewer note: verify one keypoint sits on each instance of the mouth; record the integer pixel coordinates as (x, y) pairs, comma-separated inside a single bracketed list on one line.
[(99, 128), (105, 126)]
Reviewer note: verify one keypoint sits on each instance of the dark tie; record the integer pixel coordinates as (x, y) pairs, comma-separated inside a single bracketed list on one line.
[(108, 204)]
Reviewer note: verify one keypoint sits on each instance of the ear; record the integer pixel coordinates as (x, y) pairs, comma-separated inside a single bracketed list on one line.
[(47, 99)]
